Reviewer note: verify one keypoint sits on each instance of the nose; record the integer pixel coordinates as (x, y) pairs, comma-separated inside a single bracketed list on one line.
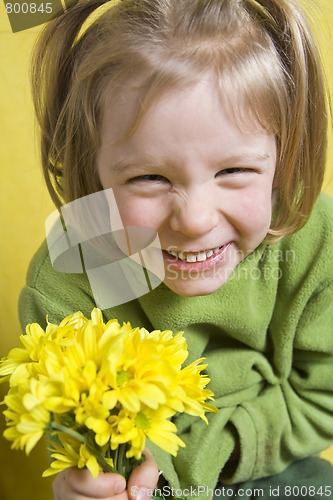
[(194, 214)]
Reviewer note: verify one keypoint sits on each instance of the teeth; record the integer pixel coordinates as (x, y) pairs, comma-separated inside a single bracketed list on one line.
[(195, 257), (190, 257), (174, 254), (201, 256)]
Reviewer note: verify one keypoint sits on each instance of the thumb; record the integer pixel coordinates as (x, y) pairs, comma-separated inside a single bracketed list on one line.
[(143, 480)]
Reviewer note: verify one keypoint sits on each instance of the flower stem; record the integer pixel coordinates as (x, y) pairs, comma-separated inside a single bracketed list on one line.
[(68, 431), (94, 449), (122, 465), (90, 444), (121, 461)]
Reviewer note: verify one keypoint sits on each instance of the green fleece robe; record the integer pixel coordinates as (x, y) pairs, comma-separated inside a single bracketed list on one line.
[(267, 335)]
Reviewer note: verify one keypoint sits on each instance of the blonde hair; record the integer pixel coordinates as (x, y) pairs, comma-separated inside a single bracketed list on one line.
[(261, 51)]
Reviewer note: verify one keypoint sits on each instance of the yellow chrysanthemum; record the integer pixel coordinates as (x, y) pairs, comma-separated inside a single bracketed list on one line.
[(23, 359), (70, 452), (27, 419), (88, 459), (100, 388), (134, 428), (146, 367), (33, 344), (15, 358), (64, 455), (191, 390)]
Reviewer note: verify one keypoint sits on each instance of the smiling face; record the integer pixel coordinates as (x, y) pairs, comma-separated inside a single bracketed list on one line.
[(189, 172)]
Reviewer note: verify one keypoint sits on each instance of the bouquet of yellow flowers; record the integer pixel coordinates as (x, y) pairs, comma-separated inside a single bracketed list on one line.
[(98, 391)]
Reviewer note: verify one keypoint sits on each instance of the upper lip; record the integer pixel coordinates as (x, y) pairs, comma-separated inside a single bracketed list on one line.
[(176, 250)]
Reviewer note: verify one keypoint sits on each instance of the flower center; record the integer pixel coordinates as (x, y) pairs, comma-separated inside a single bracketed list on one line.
[(122, 377), (142, 421)]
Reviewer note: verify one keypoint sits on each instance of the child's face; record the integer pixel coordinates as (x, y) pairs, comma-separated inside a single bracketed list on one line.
[(191, 174)]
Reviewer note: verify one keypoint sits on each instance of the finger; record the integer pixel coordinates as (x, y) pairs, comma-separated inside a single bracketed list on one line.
[(143, 480), (74, 484)]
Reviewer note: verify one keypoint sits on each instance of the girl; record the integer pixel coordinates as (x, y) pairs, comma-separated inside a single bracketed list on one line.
[(207, 119)]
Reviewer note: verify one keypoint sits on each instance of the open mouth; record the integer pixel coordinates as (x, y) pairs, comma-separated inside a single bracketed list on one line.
[(191, 257)]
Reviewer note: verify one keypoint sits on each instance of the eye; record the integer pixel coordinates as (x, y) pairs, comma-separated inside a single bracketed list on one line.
[(148, 178), (233, 170)]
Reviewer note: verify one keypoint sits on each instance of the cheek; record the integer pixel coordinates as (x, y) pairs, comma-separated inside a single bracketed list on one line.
[(254, 212), (139, 212)]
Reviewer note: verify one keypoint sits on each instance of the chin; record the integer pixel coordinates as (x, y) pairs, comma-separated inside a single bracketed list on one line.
[(194, 287)]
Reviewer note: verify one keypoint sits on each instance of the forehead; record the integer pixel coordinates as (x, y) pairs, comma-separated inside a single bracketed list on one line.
[(136, 104), (195, 117)]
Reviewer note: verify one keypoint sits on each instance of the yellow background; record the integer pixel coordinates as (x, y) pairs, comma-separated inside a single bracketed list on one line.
[(24, 206)]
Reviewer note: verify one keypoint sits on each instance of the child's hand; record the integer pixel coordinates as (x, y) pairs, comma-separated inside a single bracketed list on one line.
[(76, 484)]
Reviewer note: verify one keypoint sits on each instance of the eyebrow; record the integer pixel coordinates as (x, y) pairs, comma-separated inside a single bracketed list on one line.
[(121, 165), (246, 158)]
